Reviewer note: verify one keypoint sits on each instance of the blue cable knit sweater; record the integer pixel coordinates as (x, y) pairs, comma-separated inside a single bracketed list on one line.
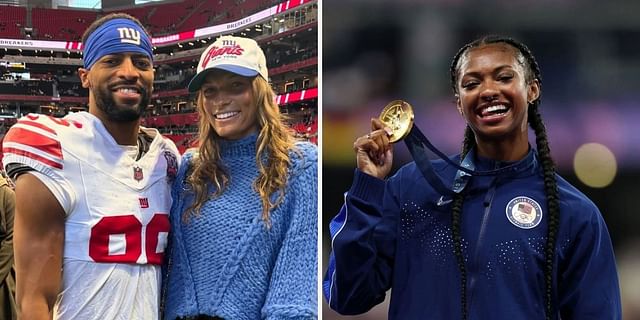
[(226, 263)]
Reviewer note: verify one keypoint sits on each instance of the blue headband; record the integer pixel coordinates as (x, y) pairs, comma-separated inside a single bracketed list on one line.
[(116, 36)]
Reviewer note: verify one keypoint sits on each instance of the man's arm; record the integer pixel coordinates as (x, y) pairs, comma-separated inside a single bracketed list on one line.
[(38, 246), (7, 206)]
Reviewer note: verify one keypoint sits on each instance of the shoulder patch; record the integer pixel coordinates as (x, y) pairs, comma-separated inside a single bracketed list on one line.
[(172, 165)]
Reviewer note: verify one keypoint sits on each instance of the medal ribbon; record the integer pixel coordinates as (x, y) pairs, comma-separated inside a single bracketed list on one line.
[(417, 143)]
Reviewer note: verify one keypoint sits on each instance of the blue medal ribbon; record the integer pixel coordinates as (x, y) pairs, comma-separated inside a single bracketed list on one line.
[(417, 143)]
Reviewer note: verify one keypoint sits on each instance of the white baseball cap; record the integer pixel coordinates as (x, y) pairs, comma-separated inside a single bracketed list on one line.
[(242, 56)]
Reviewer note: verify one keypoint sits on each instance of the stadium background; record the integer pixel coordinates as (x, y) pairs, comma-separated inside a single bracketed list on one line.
[(40, 54), (589, 52)]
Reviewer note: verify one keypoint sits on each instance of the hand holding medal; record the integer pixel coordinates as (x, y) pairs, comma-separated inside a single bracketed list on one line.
[(398, 116), (373, 151)]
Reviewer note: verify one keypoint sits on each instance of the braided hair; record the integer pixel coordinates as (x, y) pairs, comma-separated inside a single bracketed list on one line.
[(532, 70)]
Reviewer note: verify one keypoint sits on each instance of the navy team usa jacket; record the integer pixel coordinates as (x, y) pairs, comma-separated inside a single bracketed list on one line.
[(396, 234)]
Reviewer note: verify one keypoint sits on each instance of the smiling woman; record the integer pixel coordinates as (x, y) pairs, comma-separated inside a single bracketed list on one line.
[(244, 235), (493, 90), (519, 244), (229, 104)]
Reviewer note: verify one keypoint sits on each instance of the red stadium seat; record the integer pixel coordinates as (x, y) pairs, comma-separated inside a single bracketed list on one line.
[(61, 24), (12, 19)]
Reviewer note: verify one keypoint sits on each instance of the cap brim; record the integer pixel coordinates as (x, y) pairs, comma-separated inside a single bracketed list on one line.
[(196, 82)]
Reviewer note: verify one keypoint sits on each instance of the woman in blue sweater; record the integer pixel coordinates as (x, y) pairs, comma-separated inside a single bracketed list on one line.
[(243, 241), (520, 244)]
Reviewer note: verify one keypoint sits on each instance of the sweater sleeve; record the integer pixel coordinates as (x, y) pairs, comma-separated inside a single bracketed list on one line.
[(293, 286), (363, 242), (588, 280)]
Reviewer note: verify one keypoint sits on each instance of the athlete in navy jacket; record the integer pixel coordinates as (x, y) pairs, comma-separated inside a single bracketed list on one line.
[(521, 244)]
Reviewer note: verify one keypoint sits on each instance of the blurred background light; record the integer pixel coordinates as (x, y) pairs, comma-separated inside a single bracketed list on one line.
[(595, 165)]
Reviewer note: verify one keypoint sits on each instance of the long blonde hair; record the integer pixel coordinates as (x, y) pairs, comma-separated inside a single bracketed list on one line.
[(275, 140)]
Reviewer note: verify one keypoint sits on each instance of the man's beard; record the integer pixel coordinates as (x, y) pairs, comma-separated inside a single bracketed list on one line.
[(106, 103)]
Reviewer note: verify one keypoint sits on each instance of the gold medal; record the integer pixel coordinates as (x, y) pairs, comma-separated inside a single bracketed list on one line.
[(397, 115)]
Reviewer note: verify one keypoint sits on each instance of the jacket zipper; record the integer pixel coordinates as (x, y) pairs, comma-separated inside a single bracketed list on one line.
[(475, 263)]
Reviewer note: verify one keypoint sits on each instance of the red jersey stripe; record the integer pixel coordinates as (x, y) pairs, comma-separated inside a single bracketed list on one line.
[(43, 160), (35, 140), (37, 125)]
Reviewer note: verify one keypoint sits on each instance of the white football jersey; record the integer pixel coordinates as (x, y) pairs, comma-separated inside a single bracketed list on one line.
[(117, 211)]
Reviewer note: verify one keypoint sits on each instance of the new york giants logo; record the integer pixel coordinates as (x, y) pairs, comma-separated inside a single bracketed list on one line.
[(129, 35), (228, 43), (229, 49), (144, 203)]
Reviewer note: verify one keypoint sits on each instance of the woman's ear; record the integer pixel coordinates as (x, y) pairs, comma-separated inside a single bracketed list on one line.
[(459, 105), (533, 91)]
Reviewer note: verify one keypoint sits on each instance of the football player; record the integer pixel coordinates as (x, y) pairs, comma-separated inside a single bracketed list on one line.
[(93, 189)]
